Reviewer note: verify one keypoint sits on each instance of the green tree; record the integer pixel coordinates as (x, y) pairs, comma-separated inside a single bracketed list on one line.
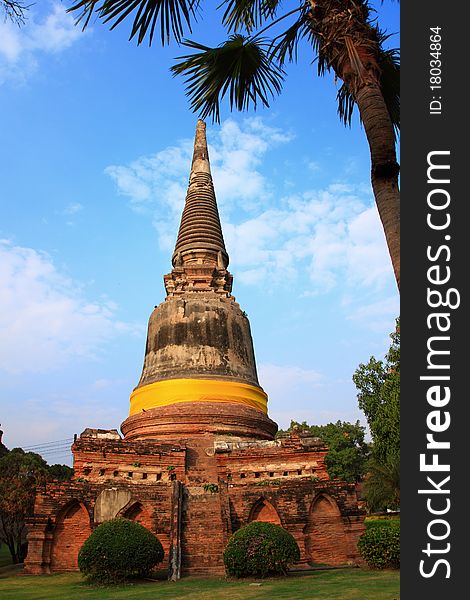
[(343, 37), (60, 472), (348, 452), (382, 485), (378, 384), (21, 473)]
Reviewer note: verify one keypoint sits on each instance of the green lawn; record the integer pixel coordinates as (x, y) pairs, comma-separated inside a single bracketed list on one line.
[(341, 584)]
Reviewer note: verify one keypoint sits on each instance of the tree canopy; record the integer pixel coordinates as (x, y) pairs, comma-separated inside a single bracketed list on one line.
[(21, 474), (60, 472), (378, 384), (348, 452)]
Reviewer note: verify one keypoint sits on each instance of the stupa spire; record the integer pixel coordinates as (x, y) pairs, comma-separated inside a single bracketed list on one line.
[(200, 163), (200, 240), (200, 259)]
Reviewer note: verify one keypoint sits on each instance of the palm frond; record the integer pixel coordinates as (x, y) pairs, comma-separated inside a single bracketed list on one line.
[(85, 10), (284, 46), (346, 104), (331, 22), (172, 16), (247, 14), (240, 67)]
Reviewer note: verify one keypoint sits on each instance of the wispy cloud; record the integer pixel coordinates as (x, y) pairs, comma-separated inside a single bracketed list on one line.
[(156, 185), (72, 208), (326, 237), (288, 383), (21, 49), (59, 413), (377, 315), (45, 319), (301, 394), (278, 378)]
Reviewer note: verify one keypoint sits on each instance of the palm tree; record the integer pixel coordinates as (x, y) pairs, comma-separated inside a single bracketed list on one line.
[(344, 38), (381, 488)]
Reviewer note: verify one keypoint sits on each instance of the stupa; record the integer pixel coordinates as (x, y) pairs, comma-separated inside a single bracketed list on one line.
[(198, 457), (199, 372)]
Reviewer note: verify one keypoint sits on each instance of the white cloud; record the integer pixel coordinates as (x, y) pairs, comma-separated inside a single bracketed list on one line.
[(325, 237), (22, 47), (10, 44), (55, 33), (58, 414), (333, 236), (157, 184), (302, 395), (291, 385), (278, 379), (72, 209), (377, 316), (45, 320)]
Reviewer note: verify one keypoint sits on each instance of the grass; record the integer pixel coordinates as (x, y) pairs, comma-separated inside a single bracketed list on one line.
[(340, 584)]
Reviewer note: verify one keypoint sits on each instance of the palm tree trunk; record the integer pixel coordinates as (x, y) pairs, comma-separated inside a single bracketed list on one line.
[(384, 166), (349, 45)]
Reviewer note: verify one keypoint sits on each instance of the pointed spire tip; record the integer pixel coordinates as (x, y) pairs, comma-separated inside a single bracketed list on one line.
[(200, 154)]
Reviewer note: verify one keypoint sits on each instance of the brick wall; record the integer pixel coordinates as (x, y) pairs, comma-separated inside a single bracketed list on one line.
[(222, 486), (71, 530)]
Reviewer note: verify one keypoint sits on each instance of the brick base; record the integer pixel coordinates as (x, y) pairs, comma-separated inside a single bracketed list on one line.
[(193, 495)]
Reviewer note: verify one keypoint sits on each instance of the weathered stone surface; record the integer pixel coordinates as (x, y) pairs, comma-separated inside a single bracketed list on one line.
[(103, 434), (200, 239), (199, 336), (109, 502)]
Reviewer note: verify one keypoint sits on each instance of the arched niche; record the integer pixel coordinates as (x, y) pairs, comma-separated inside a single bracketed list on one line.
[(325, 540), (136, 511), (72, 528), (140, 513), (264, 511)]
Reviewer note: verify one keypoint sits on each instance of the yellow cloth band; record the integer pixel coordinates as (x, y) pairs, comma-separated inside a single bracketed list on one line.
[(173, 391)]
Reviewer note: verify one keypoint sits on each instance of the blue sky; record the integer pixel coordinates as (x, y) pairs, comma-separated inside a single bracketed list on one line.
[(95, 157)]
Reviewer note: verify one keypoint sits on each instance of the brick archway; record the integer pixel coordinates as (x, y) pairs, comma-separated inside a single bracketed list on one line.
[(324, 534), (264, 511), (139, 513), (71, 530)]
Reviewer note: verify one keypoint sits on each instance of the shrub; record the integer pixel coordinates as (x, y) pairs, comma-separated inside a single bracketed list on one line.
[(260, 549), (381, 521), (118, 549), (380, 544)]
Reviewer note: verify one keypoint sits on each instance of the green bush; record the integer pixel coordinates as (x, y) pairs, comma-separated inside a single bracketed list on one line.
[(118, 549), (380, 544), (381, 521), (260, 549)]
